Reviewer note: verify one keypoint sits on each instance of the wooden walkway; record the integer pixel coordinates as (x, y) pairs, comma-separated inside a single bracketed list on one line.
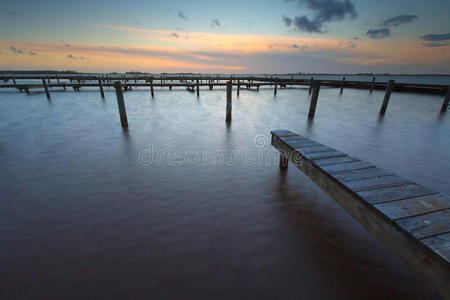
[(411, 220)]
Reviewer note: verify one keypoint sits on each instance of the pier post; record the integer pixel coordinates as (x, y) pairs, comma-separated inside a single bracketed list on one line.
[(238, 87), (49, 81), (283, 161), (27, 90), (121, 104), (446, 100), (275, 88), (198, 89), (101, 88), (151, 88), (229, 91), (44, 83), (373, 84), (314, 97), (387, 96), (310, 85), (14, 81), (342, 84)]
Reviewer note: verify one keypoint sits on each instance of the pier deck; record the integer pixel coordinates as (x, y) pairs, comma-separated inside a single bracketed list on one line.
[(411, 220)]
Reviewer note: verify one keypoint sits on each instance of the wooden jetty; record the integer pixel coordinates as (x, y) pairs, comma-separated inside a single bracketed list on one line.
[(411, 220)]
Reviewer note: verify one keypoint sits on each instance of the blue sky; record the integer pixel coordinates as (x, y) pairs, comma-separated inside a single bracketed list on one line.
[(325, 35)]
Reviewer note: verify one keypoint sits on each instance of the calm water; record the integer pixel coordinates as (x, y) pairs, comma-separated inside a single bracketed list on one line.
[(183, 206)]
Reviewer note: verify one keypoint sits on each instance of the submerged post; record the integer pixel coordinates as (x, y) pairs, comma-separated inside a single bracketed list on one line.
[(229, 91), (373, 84), (283, 162), (44, 83), (238, 87), (314, 97), (275, 88), (121, 104), (342, 84), (310, 85), (151, 88), (387, 96), (198, 89), (446, 100), (101, 88)]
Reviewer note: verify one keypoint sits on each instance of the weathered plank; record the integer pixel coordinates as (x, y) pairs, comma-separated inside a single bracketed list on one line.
[(361, 174), (320, 155), (414, 206), (394, 193), (346, 166), (375, 183), (334, 160), (440, 244), (427, 225), (315, 149)]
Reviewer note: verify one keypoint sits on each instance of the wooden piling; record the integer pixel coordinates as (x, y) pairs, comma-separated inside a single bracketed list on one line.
[(151, 88), (101, 88), (238, 87), (44, 83), (27, 90), (198, 89), (315, 95), (446, 100), (373, 84), (49, 81), (121, 104), (310, 85), (14, 81), (387, 96), (283, 161), (275, 88), (229, 91), (342, 85)]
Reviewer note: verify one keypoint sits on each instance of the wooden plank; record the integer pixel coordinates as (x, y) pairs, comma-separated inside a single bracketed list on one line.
[(440, 244), (305, 144), (375, 183), (334, 160), (315, 149), (361, 174), (319, 155), (346, 166), (427, 225), (414, 206), (394, 193)]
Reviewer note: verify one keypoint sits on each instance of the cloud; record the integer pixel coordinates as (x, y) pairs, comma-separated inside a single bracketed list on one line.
[(15, 50), (399, 20), (174, 34), (380, 33), (71, 56), (68, 45), (180, 29), (295, 46), (324, 11), (215, 22), (182, 15), (287, 21), (436, 40)]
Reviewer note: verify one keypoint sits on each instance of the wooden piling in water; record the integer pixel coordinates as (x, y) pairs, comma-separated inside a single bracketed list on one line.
[(446, 100), (342, 85), (121, 104), (310, 85), (315, 95), (101, 88), (27, 90), (151, 88), (14, 81), (275, 88), (238, 87), (387, 96), (44, 83), (284, 162), (229, 91), (373, 84), (198, 89)]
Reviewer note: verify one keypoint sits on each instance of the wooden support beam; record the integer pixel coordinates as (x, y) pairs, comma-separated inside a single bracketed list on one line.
[(151, 88), (310, 85), (101, 88), (315, 95), (44, 83), (446, 100), (372, 85), (121, 104), (229, 91), (49, 81), (342, 85), (283, 161), (387, 96), (27, 90), (170, 87), (275, 88), (14, 81), (238, 87), (198, 89), (211, 86)]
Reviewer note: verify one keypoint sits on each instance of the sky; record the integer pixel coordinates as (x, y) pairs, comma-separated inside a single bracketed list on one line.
[(278, 36)]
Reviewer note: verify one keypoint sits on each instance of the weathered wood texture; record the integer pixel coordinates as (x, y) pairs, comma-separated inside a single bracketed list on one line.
[(121, 104), (314, 97), (387, 96), (46, 88), (411, 220), (229, 91)]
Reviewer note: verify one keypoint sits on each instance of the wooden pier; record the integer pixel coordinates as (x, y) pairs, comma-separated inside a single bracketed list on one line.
[(411, 220)]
